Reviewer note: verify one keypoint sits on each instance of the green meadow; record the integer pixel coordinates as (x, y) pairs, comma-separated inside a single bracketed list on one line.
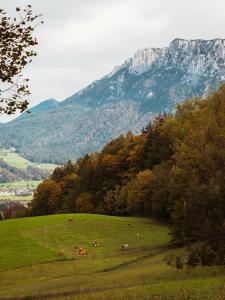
[(20, 184), (16, 198), (30, 264), (15, 160)]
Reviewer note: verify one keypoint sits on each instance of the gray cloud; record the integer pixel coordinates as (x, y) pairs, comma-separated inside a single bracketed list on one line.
[(83, 40)]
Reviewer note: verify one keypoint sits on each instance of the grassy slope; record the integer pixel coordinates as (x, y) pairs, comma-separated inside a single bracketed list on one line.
[(14, 160), (20, 184), (17, 161), (49, 167), (54, 233), (16, 198), (28, 257)]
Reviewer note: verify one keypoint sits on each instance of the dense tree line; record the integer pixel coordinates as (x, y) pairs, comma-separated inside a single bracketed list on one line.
[(174, 171)]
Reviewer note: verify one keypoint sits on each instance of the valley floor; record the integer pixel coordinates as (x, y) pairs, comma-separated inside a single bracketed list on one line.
[(30, 267)]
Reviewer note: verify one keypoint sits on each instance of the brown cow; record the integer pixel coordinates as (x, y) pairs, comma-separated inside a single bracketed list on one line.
[(61, 253), (82, 252)]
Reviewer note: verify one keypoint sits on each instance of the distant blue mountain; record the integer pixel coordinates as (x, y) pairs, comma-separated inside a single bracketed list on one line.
[(39, 108), (45, 105), (152, 81)]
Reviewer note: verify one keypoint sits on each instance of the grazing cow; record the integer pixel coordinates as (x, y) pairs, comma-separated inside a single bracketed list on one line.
[(82, 252), (61, 253), (124, 246), (76, 249), (71, 221), (138, 236), (95, 243)]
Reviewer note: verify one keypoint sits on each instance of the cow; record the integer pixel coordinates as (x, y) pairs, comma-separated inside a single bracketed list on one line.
[(124, 246), (70, 220), (82, 252), (61, 253), (95, 243), (76, 249), (138, 236)]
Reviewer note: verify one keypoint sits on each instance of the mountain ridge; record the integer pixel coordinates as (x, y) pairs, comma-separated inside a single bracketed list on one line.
[(154, 80)]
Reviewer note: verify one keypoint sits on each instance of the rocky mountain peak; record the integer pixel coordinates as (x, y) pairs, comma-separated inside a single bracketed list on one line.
[(194, 55), (144, 58)]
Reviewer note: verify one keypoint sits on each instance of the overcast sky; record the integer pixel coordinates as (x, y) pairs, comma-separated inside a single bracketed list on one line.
[(82, 40)]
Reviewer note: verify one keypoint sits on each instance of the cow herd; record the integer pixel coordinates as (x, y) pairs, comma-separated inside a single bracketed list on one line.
[(80, 251)]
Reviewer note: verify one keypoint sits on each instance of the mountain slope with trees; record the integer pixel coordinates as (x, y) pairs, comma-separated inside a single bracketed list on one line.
[(151, 82)]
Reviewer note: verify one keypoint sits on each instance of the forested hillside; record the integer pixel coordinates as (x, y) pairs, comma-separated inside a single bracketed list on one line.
[(174, 170)]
